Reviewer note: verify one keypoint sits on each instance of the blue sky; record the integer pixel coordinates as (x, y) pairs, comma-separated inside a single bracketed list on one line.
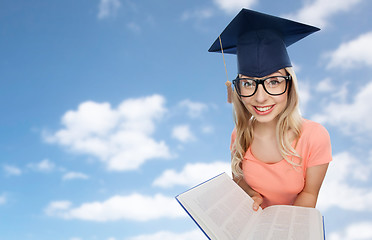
[(110, 108)]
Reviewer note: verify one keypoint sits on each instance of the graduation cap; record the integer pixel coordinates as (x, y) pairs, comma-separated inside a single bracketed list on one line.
[(260, 41)]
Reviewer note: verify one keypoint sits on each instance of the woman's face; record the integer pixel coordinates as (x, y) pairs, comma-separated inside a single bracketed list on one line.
[(263, 106)]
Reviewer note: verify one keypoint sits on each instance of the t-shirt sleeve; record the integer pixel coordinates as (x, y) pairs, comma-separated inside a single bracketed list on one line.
[(320, 146), (233, 137)]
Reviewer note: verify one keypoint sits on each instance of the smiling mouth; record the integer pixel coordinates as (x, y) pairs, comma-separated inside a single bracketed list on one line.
[(264, 109)]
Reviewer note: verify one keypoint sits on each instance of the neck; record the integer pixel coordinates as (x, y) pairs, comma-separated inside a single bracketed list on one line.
[(265, 129)]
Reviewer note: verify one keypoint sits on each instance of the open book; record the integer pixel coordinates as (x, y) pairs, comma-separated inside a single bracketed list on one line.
[(223, 211)]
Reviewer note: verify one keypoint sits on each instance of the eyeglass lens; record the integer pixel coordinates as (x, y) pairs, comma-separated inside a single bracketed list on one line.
[(273, 85)]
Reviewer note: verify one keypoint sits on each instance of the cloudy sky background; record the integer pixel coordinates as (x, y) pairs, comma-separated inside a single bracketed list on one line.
[(110, 108)]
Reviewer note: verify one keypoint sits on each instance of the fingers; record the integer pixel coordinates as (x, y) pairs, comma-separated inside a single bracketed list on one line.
[(257, 201)]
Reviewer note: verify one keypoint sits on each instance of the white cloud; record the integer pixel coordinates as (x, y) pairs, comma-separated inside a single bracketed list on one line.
[(337, 92), (108, 8), (353, 54), (337, 190), (304, 92), (74, 175), (12, 170), (234, 6), (350, 117), (325, 85), (297, 68), (134, 27), (197, 14), (76, 238), (192, 174), (57, 208), (2, 199), (43, 166), (164, 235), (207, 129), (183, 133), (355, 231), (342, 92), (119, 137), (318, 12), (194, 109), (134, 207)]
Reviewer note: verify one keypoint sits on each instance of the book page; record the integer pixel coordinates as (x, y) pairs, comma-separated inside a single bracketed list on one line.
[(222, 207), (289, 222)]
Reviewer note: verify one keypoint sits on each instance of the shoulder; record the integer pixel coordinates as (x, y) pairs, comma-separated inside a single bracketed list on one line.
[(313, 130), (315, 143), (233, 134), (233, 137)]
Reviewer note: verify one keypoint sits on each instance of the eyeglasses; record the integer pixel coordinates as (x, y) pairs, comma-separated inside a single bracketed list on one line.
[(274, 85)]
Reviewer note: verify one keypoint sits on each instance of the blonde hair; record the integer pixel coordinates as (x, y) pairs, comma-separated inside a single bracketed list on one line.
[(289, 120)]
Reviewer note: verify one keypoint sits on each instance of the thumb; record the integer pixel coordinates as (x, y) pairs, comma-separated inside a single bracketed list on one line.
[(257, 201)]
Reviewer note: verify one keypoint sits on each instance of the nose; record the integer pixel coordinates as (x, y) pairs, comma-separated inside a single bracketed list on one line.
[(260, 95)]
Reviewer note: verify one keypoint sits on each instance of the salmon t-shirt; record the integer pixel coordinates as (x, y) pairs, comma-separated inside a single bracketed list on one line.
[(280, 183)]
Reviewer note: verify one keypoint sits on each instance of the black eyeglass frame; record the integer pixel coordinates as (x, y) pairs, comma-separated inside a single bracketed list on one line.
[(236, 81)]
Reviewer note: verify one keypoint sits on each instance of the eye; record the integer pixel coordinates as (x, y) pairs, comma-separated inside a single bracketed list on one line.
[(245, 83), (274, 81)]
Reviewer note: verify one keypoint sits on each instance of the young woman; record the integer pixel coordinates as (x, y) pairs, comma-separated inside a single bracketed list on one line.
[(277, 156)]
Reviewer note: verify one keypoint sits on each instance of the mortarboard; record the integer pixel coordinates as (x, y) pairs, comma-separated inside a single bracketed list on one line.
[(260, 41)]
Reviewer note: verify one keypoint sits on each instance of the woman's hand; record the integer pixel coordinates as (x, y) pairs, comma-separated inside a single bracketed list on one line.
[(257, 198)]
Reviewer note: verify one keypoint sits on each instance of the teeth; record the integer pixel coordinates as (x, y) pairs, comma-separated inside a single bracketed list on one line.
[(263, 109)]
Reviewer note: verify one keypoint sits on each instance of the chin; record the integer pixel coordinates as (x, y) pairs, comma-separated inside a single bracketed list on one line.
[(261, 119)]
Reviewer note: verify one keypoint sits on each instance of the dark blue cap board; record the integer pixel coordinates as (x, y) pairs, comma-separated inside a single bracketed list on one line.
[(260, 41)]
